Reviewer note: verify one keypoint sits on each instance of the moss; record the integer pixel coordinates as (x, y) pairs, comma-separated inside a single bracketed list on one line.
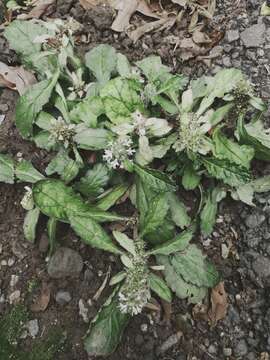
[(11, 328)]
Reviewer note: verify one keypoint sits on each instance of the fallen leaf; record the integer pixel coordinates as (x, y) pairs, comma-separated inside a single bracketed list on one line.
[(180, 2), (43, 300), (154, 25), (200, 37), (167, 307), (219, 304), (15, 78), (89, 4), (39, 8), (126, 8)]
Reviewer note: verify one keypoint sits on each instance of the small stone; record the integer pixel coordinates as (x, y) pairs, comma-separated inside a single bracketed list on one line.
[(65, 262), (4, 263), (212, 349), (14, 297), (170, 342), (4, 108), (13, 281), (83, 311), (227, 352), (254, 220), (254, 35), (144, 328), (232, 35), (11, 262), (241, 348), (33, 327), (251, 356), (261, 266), (62, 297)]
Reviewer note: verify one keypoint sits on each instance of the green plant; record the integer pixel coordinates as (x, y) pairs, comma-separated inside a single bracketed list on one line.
[(151, 135)]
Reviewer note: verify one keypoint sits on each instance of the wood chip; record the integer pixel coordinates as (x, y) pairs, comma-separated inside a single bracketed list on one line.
[(43, 300), (16, 78), (219, 304)]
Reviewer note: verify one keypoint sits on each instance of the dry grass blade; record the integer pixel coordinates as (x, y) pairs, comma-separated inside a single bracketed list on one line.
[(103, 285), (39, 8), (219, 304), (43, 300), (16, 78)]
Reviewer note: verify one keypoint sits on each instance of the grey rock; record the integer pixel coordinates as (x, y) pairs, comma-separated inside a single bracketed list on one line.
[(212, 349), (227, 61), (62, 297), (254, 220), (232, 35), (65, 262), (233, 315), (33, 327), (227, 352), (253, 36), (261, 266), (251, 356), (241, 348)]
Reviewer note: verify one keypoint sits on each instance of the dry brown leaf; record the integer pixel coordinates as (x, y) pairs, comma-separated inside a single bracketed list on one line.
[(199, 312), (39, 8), (167, 307), (189, 49), (16, 78), (126, 8), (148, 27), (219, 304), (43, 300), (89, 4), (200, 37), (180, 2)]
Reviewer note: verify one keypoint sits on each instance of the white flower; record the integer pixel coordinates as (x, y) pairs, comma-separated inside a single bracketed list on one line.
[(118, 151), (135, 293), (62, 132)]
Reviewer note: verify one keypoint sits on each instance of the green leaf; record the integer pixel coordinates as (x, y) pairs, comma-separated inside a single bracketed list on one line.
[(219, 114), (190, 179), (121, 99), (106, 329), (30, 224), (92, 233), (231, 174), (112, 197), (189, 274), (51, 230), (223, 82), (26, 172), (156, 180), (178, 211), (159, 287), (91, 139), (156, 213), (119, 277), (44, 140), (209, 212), (125, 242), (152, 67), (21, 35), (179, 243), (164, 232), (183, 290), (94, 181), (45, 120), (63, 165), (6, 169), (255, 135), (87, 111), (29, 104), (102, 62), (56, 200), (227, 149), (261, 184), (123, 66)]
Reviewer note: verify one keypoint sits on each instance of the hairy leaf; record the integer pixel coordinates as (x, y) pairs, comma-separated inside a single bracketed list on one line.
[(91, 139), (26, 172), (87, 111), (125, 242), (6, 169), (94, 181), (64, 166), (102, 62), (178, 211), (190, 179), (160, 287), (112, 197), (30, 224), (106, 329)]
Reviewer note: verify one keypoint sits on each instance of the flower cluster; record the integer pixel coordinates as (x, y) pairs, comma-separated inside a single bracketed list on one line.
[(118, 151), (191, 133), (27, 200), (135, 293), (62, 132), (79, 87)]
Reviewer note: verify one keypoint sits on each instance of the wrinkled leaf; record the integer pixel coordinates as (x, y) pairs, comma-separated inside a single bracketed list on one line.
[(30, 224), (178, 211), (26, 172), (87, 111), (6, 169), (125, 242), (190, 179), (94, 181), (160, 287)]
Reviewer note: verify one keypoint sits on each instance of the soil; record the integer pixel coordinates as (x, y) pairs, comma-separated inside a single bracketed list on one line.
[(245, 332)]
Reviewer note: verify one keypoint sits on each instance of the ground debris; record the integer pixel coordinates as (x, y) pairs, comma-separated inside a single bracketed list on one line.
[(170, 342), (43, 300), (219, 304)]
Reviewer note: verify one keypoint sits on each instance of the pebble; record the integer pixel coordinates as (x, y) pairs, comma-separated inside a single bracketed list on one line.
[(62, 297), (232, 35), (170, 342), (144, 327), (65, 262), (261, 266), (254, 220), (33, 327), (13, 281), (83, 311), (14, 297), (253, 36), (241, 348), (212, 349), (11, 262), (227, 352)]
